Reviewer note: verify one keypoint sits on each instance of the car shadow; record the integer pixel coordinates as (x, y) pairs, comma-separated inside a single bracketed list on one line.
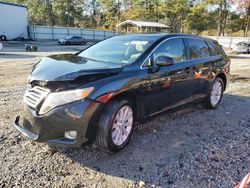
[(159, 145)]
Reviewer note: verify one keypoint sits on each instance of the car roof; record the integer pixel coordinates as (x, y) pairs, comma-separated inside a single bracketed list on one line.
[(156, 36)]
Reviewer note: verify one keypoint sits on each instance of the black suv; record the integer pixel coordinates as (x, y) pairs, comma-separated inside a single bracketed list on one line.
[(99, 93)]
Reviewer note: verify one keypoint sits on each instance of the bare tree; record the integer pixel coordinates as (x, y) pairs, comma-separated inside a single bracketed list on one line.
[(245, 5)]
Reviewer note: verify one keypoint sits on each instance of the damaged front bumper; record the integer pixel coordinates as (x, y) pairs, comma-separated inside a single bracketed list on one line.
[(77, 116)]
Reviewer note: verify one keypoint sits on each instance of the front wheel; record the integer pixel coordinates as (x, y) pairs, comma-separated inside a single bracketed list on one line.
[(215, 93), (116, 125)]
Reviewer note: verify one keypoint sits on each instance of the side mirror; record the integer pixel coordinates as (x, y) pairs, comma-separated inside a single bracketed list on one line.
[(164, 61)]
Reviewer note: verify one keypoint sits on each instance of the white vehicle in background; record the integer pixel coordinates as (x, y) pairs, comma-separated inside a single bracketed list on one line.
[(242, 47), (1, 46), (13, 21)]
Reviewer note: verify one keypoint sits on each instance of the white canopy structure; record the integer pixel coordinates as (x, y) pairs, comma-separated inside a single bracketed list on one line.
[(142, 26)]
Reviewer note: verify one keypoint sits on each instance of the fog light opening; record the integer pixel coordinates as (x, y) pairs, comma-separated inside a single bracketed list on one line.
[(70, 135)]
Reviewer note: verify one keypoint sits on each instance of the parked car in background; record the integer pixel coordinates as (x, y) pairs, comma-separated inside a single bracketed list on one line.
[(72, 40), (242, 47), (99, 93), (1, 46)]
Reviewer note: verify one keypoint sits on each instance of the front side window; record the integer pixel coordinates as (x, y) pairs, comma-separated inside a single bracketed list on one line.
[(197, 48), (120, 50), (173, 48)]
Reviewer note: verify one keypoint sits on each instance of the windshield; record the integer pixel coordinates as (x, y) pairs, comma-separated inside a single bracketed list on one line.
[(120, 50)]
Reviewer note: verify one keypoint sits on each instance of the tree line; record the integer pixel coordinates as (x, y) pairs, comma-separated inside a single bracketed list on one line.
[(208, 17)]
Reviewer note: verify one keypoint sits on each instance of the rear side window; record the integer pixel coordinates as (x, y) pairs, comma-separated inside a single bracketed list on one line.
[(212, 48), (173, 48), (215, 48), (197, 48)]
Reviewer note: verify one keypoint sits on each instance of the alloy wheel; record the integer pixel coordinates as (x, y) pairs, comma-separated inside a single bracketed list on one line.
[(122, 125), (216, 93)]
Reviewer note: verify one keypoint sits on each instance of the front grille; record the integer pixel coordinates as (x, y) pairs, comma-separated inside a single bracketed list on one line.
[(34, 96)]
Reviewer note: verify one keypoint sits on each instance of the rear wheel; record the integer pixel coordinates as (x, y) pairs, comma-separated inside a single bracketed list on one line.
[(3, 38), (116, 125), (215, 93)]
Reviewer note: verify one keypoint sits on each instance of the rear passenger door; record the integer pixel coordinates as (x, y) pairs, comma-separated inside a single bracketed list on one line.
[(199, 56)]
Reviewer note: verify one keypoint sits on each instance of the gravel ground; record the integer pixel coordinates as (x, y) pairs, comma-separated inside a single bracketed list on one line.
[(191, 147)]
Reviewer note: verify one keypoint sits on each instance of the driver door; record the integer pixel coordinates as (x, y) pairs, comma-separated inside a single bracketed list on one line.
[(170, 83)]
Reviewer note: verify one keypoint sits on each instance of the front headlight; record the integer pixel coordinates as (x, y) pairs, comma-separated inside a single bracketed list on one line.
[(59, 98)]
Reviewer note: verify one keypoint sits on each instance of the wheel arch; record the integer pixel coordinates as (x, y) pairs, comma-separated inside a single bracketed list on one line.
[(133, 98), (130, 95), (224, 79)]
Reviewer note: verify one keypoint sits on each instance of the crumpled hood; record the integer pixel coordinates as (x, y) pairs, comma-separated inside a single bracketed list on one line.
[(68, 67)]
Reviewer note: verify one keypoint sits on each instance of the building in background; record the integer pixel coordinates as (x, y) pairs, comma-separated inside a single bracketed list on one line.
[(13, 21), (133, 26)]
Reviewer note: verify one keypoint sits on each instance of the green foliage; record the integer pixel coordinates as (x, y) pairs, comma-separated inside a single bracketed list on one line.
[(198, 19), (189, 16), (111, 13)]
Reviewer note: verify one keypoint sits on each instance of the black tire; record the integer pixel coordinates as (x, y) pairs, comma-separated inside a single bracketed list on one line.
[(104, 129), (67, 43), (208, 102), (84, 42), (3, 38)]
